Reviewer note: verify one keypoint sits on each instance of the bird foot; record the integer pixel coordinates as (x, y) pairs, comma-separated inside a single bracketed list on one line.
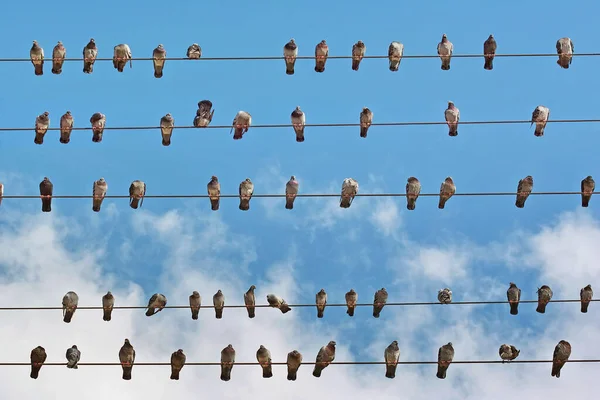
[(126, 364), (289, 59), (320, 57)]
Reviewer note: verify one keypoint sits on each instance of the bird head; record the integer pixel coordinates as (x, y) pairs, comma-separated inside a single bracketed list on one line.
[(293, 178), (295, 353), (332, 344), (195, 293), (92, 40), (59, 43), (127, 342), (366, 109), (46, 113), (450, 344), (179, 351), (160, 47), (512, 284), (321, 291), (395, 342), (230, 347), (292, 41), (351, 291), (412, 179), (589, 178), (261, 347), (68, 113), (109, 293), (219, 291), (383, 289), (252, 287), (491, 36), (323, 42), (248, 180), (444, 37), (35, 42), (450, 104), (297, 108), (360, 43), (101, 180), (214, 178), (588, 287), (46, 179), (74, 347)]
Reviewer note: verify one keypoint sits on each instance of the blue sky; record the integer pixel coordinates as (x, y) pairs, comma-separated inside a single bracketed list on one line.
[(476, 246)]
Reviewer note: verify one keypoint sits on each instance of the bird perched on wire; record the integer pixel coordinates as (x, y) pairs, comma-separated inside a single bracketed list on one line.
[(565, 49), (413, 189), (156, 304), (540, 117), (277, 302), (108, 303), (98, 193), (445, 296), (588, 185), (127, 359), (66, 127), (98, 121), (90, 52), (447, 190), (351, 300), (219, 303), (366, 119), (46, 189), (561, 355), (294, 360), (42, 123), (137, 191), (445, 357), (38, 358), (544, 296), (298, 121), (166, 129), (227, 362), (69, 305), (73, 355), (195, 303), (445, 49), (159, 56), (514, 296), (204, 114), (379, 301), (1, 191), (214, 192), (250, 302), (391, 356), (325, 356), (508, 352), (263, 356), (321, 53), (246, 191), (290, 52), (349, 191), (524, 189), (241, 124), (291, 191), (489, 52), (194, 52), (321, 302), (395, 53), (36, 54), (452, 116), (586, 294), (58, 58), (121, 54), (177, 363), (358, 52)]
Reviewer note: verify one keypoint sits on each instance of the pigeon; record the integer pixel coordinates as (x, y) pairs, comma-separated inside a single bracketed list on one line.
[(523, 191), (277, 302), (445, 357), (452, 115), (508, 352), (294, 360), (1, 191), (204, 114), (98, 193), (395, 53), (246, 191), (219, 303), (349, 191), (351, 299), (177, 363), (445, 296), (540, 118), (358, 52), (58, 58), (561, 355), (241, 123), (38, 357), (214, 191), (565, 49), (37, 58), (444, 49), (157, 302), (263, 356), (121, 54), (73, 355), (321, 53), (46, 188), (127, 358), (108, 302), (42, 122), (298, 121), (544, 296), (379, 301), (250, 301), (325, 356), (98, 121), (586, 295), (159, 56), (227, 361), (290, 52), (69, 305), (137, 191), (194, 52), (587, 188), (166, 129), (195, 303), (321, 301), (447, 190), (291, 191), (514, 296), (66, 126), (391, 355), (413, 188), (90, 52), (366, 119), (489, 52)]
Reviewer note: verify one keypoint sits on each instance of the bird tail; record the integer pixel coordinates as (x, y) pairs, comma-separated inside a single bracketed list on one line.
[(539, 130), (285, 308), (72, 365), (394, 66), (225, 373), (317, 371), (453, 129), (121, 66), (300, 136), (267, 372), (320, 312), (174, 374), (377, 311), (39, 138), (345, 202), (97, 137), (244, 204), (289, 202), (390, 371), (442, 202), (585, 200), (238, 133), (289, 67), (320, 66), (68, 316), (35, 371), (411, 203), (166, 140), (563, 62), (584, 306), (489, 63), (556, 366), (127, 373), (218, 313), (514, 308), (88, 67), (446, 64), (39, 69), (292, 374), (195, 313), (251, 312), (65, 137), (56, 68), (96, 204), (363, 131), (107, 314), (441, 371), (541, 308), (520, 203), (46, 204), (134, 203), (350, 311), (150, 312), (158, 72), (355, 64)]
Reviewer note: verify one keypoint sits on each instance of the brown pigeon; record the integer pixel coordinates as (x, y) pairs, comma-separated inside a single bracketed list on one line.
[(391, 355), (587, 188), (66, 126), (523, 191), (241, 124), (42, 123), (561, 355), (194, 52), (565, 49), (452, 116), (98, 121), (358, 52), (321, 301), (127, 358), (349, 191), (159, 56), (514, 296), (395, 53), (290, 52), (195, 303), (445, 49), (250, 301), (379, 301), (277, 302), (204, 114), (298, 121), (539, 117), (90, 52), (214, 192), (586, 295), (108, 302), (121, 54), (58, 58), (291, 191), (294, 360), (46, 189), (321, 53), (263, 356), (413, 189), (246, 191), (166, 129), (177, 363), (156, 304), (37, 58), (445, 357), (351, 299), (544, 296), (508, 352), (219, 303), (38, 358), (98, 193), (137, 191), (325, 356), (447, 190), (489, 52), (366, 119), (227, 361)]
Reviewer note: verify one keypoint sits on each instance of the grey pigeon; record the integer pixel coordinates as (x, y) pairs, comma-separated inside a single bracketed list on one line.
[(1, 191), (90, 52), (159, 56), (587, 188), (445, 357), (69, 305), (540, 117), (445, 296), (277, 302), (66, 126), (565, 49), (194, 52), (108, 303), (214, 191), (227, 361), (391, 355), (127, 359), (42, 123), (294, 360), (321, 301), (349, 191), (291, 191), (219, 303), (246, 191), (290, 52), (137, 191), (452, 115), (177, 363), (250, 301), (379, 301), (38, 358), (561, 355), (46, 189), (514, 296), (204, 114), (366, 119), (321, 53), (358, 52), (195, 303), (351, 299), (586, 294), (524, 190), (121, 54), (98, 121), (36, 54), (298, 121), (58, 57), (395, 53), (325, 356), (241, 124), (98, 193), (156, 304), (263, 356), (544, 296), (508, 352), (447, 190), (413, 189), (445, 49), (73, 355), (489, 52), (166, 129)]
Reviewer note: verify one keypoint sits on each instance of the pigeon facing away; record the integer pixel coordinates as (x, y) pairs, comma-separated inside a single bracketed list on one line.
[(227, 361), (298, 122), (127, 359), (241, 124), (565, 49), (42, 122), (98, 121), (447, 190), (321, 301), (452, 115), (157, 302), (177, 363), (194, 52), (69, 305), (66, 126), (73, 355), (58, 58), (37, 58), (544, 296), (489, 51), (445, 49), (159, 56), (379, 301), (351, 299), (291, 191), (195, 303), (277, 302), (358, 52), (349, 191), (98, 193), (587, 188), (294, 360), (137, 191), (514, 296), (166, 129), (366, 119), (445, 296), (121, 54), (204, 114), (46, 189), (395, 53), (508, 352), (561, 355), (38, 357), (1, 191), (413, 188), (586, 295), (325, 356), (250, 301), (263, 356), (290, 52), (108, 302), (246, 191), (540, 118), (214, 191), (524, 190), (90, 52), (219, 303), (391, 355), (445, 357), (321, 53)]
